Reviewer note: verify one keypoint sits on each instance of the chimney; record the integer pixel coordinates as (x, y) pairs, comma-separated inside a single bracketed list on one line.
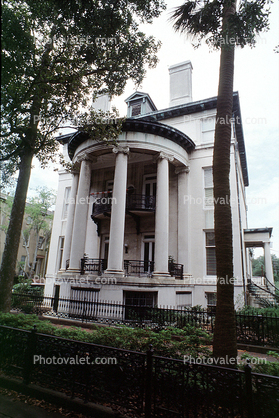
[(180, 83)]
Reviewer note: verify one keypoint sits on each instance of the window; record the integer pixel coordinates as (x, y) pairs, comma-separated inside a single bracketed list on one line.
[(211, 298), (150, 185), (140, 298), (136, 109), (210, 254), (208, 128), (60, 252), (41, 243), (22, 264), (66, 202), (183, 299), (208, 187), (38, 266)]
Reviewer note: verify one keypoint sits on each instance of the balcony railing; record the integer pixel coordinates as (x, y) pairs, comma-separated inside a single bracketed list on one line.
[(138, 267), (134, 202), (93, 265), (140, 202), (176, 270), (131, 267)]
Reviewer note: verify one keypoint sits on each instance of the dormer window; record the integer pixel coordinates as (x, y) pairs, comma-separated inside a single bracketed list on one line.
[(136, 109), (139, 104)]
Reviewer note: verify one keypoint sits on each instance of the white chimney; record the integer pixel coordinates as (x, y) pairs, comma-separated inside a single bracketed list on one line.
[(180, 83), (103, 103)]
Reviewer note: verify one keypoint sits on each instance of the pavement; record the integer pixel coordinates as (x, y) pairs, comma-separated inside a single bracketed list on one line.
[(11, 408)]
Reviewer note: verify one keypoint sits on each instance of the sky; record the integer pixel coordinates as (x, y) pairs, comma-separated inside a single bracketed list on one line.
[(256, 79)]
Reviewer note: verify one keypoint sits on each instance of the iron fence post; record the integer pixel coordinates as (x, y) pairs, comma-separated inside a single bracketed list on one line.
[(29, 355), (148, 382), (249, 390)]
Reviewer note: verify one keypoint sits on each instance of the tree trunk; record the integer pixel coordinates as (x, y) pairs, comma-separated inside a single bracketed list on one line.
[(35, 251), (9, 259), (224, 342)]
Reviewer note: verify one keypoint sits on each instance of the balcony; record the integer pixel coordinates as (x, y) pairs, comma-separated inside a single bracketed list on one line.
[(131, 267), (138, 268), (137, 205)]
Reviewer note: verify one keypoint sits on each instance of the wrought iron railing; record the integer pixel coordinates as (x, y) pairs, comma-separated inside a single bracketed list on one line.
[(176, 270), (150, 386), (93, 265), (131, 267), (140, 202), (138, 267), (133, 202), (252, 287), (253, 329)]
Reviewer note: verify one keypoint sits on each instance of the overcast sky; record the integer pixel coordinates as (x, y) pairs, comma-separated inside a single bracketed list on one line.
[(256, 80)]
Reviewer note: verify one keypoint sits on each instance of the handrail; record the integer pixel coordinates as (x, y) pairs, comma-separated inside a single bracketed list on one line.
[(265, 290), (276, 288)]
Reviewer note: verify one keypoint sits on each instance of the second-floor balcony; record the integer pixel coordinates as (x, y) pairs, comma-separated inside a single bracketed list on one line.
[(135, 203), (131, 267)]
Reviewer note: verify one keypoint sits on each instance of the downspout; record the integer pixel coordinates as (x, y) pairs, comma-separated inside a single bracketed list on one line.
[(240, 224)]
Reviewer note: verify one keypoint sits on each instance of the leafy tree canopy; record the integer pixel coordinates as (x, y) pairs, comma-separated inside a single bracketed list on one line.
[(57, 55), (203, 20)]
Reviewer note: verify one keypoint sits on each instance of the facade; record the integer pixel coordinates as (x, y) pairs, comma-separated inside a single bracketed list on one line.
[(26, 249), (135, 224)]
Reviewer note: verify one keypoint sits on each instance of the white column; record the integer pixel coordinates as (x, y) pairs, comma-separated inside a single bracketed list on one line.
[(70, 221), (268, 262), (80, 217), (182, 217), (162, 216), (117, 222)]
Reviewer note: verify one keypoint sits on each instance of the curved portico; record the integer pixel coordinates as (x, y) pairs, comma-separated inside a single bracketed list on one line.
[(140, 141)]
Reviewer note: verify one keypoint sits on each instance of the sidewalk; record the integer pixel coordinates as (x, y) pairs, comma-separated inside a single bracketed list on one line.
[(10, 408)]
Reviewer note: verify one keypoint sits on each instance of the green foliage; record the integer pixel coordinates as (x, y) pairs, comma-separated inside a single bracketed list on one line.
[(272, 311), (5, 211), (171, 342), (56, 56), (204, 20), (262, 365), (259, 267)]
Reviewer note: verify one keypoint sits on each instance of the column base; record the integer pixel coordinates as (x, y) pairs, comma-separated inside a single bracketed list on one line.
[(112, 272), (160, 274), (72, 271)]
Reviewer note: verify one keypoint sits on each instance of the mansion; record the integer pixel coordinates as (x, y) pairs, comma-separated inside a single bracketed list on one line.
[(135, 223)]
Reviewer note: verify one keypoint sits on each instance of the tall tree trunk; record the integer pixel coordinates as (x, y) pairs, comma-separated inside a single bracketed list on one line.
[(224, 342), (35, 251), (9, 259)]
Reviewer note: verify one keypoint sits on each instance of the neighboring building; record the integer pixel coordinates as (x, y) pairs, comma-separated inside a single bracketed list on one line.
[(26, 251), (142, 211)]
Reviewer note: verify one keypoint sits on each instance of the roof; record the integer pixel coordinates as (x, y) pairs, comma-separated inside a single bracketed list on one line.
[(139, 95), (150, 123), (259, 230)]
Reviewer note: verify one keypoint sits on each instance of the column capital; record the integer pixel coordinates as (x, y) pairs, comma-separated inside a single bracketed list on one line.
[(184, 169), (123, 150), (163, 155), (85, 156)]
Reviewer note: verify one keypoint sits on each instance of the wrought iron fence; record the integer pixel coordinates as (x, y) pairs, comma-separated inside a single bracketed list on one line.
[(149, 385), (251, 329)]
